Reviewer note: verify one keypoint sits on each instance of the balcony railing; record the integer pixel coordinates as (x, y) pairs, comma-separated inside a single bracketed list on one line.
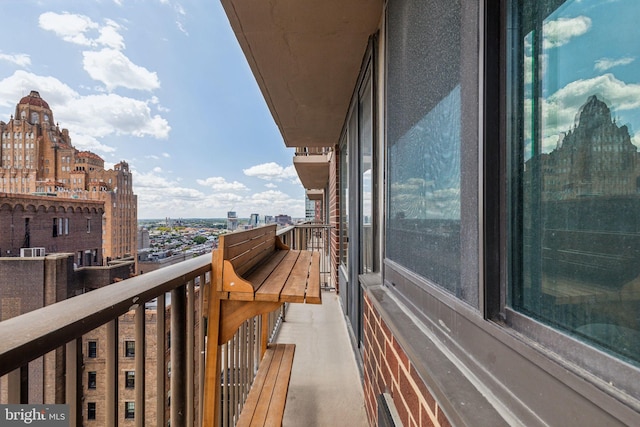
[(45, 360)]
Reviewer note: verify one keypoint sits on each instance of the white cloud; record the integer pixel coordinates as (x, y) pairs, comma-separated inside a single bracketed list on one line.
[(166, 155), (604, 64), (114, 69), (272, 172), (88, 118), (218, 183), (19, 59), (270, 185), (69, 27), (561, 31), (110, 36)]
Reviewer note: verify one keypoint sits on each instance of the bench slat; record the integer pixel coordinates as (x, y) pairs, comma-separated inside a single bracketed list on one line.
[(313, 295), (294, 288), (272, 288), (268, 395), (260, 275)]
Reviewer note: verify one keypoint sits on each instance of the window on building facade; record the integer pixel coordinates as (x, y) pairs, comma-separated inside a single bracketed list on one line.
[(129, 410), (425, 122), (129, 379), (91, 379), (129, 348), (574, 167), (91, 410), (92, 349)]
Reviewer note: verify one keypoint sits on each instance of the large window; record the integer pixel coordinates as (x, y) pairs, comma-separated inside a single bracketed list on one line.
[(425, 100), (575, 169)]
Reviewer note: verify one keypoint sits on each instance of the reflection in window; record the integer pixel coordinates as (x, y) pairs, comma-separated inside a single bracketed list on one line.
[(575, 169), (424, 125), (365, 134)]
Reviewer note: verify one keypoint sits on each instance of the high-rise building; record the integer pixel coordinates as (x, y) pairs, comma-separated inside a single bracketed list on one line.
[(232, 221), (253, 220), (36, 157)]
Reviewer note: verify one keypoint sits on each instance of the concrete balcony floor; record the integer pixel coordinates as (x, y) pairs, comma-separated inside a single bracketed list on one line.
[(325, 387)]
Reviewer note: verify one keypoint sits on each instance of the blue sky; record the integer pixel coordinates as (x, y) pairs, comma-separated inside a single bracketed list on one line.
[(589, 47), (161, 84)]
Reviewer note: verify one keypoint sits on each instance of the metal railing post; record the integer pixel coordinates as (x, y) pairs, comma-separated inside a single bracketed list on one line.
[(178, 356), (139, 373)]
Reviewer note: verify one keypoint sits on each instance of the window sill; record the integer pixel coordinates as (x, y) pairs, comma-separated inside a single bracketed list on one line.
[(457, 396)]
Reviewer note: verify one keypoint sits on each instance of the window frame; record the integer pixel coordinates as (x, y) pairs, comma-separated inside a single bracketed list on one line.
[(129, 410), (92, 380), (92, 353), (611, 374), (91, 410), (129, 379), (129, 348)]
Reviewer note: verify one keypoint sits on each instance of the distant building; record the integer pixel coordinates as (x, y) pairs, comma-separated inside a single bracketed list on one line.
[(284, 220), (254, 220), (309, 209), (232, 221), (52, 223), (36, 157), (144, 241), (268, 219)]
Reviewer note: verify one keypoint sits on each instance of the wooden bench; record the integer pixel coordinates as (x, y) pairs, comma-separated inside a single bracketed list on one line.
[(256, 265), (266, 400), (254, 273)]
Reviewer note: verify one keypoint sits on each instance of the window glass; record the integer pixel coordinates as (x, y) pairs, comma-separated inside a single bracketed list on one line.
[(423, 139), (91, 410), (129, 348), (575, 169), (365, 134), (91, 379), (92, 349)]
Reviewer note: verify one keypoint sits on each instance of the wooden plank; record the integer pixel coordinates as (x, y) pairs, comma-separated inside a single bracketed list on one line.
[(255, 244), (272, 402), (261, 274), (234, 238), (313, 294), (279, 397), (272, 288), (294, 288), (254, 256), (249, 408)]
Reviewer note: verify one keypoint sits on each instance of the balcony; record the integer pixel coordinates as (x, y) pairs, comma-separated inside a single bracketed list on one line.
[(312, 166), (134, 351)]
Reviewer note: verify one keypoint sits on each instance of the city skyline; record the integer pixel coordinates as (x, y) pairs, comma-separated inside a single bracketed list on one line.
[(175, 99)]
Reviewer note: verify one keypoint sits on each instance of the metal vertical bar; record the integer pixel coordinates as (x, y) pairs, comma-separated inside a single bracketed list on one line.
[(111, 363), (225, 384), (160, 361), (13, 386), (140, 355), (201, 349), (189, 352), (73, 381), (178, 356)]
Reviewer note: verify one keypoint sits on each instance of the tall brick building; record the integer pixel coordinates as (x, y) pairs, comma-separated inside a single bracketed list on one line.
[(37, 157)]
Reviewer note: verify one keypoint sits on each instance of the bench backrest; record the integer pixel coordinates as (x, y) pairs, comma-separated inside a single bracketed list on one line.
[(246, 249)]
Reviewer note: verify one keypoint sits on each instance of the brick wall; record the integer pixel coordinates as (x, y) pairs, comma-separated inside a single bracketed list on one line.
[(388, 369)]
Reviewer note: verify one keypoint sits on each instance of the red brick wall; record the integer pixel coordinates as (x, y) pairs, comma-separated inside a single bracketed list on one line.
[(388, 369)]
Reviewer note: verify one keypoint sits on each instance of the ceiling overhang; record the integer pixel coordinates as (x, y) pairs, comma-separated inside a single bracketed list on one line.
[(315, 194), (305, 56), (313, 170)]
